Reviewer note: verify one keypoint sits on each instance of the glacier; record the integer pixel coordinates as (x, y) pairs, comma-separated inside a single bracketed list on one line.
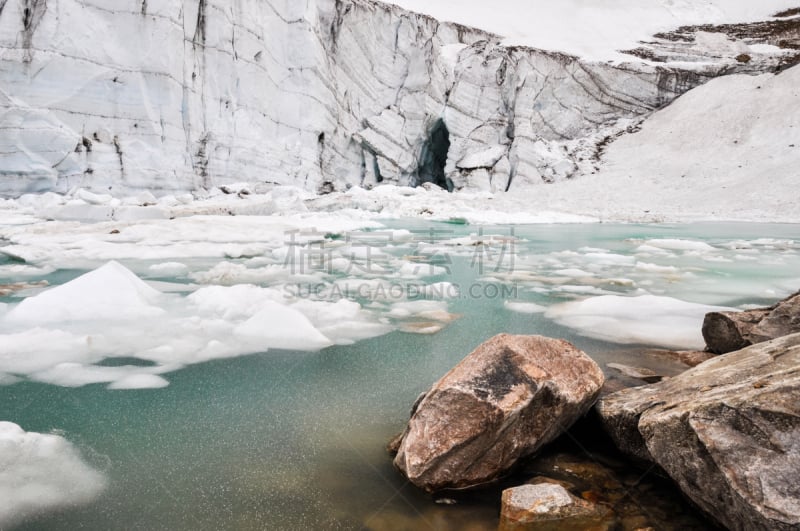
[(169, 96)]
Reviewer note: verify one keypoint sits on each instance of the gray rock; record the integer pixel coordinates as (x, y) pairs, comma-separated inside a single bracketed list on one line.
[(729, 331), (727, 432), (503, 402)]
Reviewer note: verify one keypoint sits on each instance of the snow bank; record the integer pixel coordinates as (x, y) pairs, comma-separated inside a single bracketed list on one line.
[(646, 320), (701, 156), (41, 472), (593, 31)]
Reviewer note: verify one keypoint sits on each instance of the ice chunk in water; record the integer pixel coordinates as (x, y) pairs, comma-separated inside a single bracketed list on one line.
[(277, 326), (401, 310), (139, 381), (110, 292), (672, 244), (573, 273), (524, 307), (20, 271), (647, 320), (169, 269), (343, 321), (62, 336), (234, 302), (41, 472), (39, 349)]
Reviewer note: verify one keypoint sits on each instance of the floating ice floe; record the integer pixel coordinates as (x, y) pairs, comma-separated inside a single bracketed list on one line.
[(40, 472), (647, 320), (422, 316), (674, 244), (19, 271), (72, 244), (524, 307), (169, 269), (279, 326), (63, 335)]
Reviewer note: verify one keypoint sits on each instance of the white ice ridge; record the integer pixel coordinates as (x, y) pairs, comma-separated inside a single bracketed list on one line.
[(325, 94), (41, 472), (647, 320)]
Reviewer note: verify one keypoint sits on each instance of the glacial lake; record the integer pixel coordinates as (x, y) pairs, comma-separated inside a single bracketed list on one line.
[(296, 439)]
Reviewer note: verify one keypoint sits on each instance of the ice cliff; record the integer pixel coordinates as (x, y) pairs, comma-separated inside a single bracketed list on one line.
[(124, 95)]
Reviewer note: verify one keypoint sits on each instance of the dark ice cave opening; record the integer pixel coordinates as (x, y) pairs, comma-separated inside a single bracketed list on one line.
[(433, 157)]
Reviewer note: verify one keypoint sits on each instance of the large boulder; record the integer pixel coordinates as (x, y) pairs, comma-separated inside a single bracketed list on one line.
[(503, 402), (730, 331), (727, 432)]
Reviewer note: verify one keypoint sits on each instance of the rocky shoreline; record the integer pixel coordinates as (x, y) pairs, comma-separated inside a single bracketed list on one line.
[(726, 432)]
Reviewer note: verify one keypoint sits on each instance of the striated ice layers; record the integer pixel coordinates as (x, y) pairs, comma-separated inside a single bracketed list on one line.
[(41, 472)]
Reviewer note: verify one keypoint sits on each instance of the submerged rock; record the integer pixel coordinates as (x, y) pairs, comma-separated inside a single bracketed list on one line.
[(9, 289), (729, 331), (692, 358), (548, 506), (727, 432), (504, 401), (585, 466)]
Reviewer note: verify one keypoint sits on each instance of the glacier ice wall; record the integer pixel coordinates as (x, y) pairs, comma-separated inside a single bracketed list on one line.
[(124, 95)]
